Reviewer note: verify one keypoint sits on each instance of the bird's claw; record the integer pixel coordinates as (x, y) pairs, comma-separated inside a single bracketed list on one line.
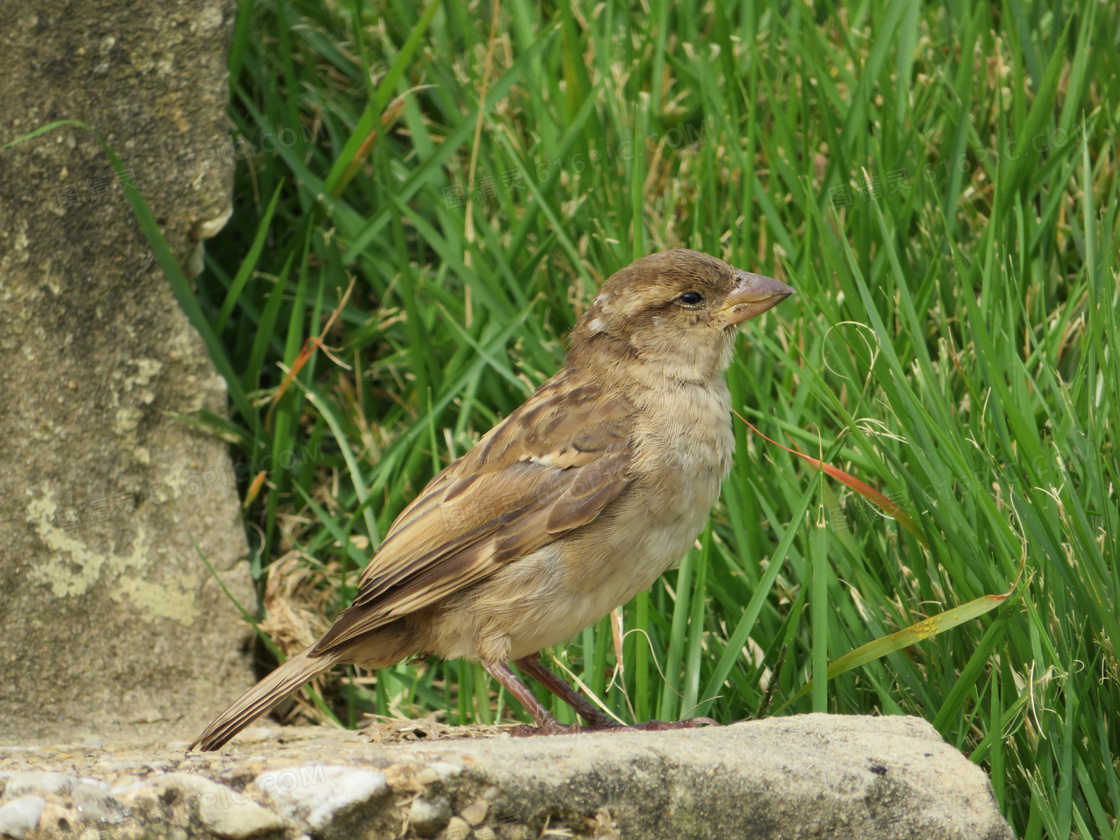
[(665, 726), (554, 728)]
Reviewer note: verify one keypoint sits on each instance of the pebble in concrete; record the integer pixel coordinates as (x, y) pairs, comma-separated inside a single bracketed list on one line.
[(20, 816), (429, 816), (221, 810), (316, 794)]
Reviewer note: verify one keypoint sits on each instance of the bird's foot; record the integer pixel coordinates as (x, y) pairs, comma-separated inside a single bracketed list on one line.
[(527, 730), (556, 728), (666, 725)]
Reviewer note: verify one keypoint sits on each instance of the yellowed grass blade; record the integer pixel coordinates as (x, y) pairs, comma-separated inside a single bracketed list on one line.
[(908, 636)]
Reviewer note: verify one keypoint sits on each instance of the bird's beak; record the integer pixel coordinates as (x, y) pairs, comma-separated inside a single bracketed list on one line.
[(752, 295)]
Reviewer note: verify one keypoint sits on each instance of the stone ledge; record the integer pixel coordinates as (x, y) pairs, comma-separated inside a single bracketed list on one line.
[(805, 777)]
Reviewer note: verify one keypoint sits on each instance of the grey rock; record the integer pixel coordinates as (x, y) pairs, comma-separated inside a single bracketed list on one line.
[(808, 776), (813, 776), (116, 628), (20, 816)]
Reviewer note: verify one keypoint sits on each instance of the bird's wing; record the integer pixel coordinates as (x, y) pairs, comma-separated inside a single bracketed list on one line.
[(547, 469)]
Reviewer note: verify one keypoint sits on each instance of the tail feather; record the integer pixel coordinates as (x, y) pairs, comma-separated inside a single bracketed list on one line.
[(262, 697)]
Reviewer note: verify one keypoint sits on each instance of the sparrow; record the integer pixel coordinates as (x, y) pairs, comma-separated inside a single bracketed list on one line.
[(566, 509)]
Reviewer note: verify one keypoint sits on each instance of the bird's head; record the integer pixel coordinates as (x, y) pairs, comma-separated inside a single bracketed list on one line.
[(675, 312)]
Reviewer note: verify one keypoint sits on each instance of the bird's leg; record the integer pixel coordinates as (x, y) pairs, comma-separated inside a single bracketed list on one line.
[(546, 723), (667, 725), (532, 666)]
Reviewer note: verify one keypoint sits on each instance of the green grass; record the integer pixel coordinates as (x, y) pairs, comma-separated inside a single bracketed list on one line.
[(952, 344)]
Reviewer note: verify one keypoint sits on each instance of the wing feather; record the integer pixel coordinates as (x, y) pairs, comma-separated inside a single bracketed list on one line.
[(549, 468)]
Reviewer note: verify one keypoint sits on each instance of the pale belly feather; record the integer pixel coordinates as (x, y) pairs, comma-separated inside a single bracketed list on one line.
[(542, 599)]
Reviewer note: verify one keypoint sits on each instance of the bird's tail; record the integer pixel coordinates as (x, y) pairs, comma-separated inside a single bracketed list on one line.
[(262, 697)]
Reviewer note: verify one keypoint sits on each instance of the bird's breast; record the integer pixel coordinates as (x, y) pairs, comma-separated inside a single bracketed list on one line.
[(684, 441), (682, 447)]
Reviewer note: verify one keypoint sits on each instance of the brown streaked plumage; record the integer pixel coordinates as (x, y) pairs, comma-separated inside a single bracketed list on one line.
[(574, 503)]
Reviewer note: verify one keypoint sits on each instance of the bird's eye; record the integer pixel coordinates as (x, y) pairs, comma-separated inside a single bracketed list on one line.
[(691, 298)]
